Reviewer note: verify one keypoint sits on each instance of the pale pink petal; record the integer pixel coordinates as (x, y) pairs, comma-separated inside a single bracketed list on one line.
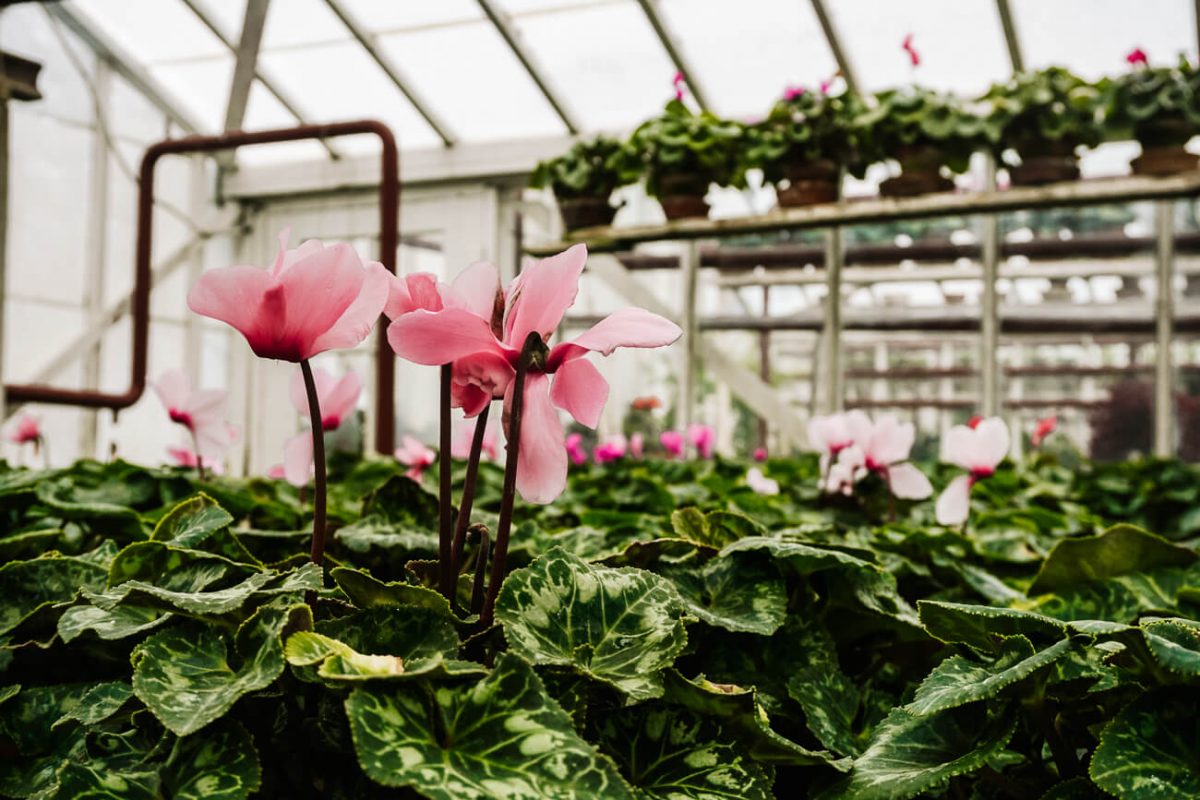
[(174, 388), (992, 435), (359, 318), (954, 504), (859, 427), (629, 327), (317, 292), (908, 483), (434, 338), (415, 292), (958, 446), (475, 289), (206, 406), (338, 402), (637, 445), (323, 381), (542, 462), (214, 438), (891, 440), (236, 295), (760, 483), (298, 459), (399, 301), (580, 390), (543, 294)]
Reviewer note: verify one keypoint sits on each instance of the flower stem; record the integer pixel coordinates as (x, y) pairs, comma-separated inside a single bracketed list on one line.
[(318, 434), (468, 495), (199, 458), (481, 560), (513, 446), (445, 534)]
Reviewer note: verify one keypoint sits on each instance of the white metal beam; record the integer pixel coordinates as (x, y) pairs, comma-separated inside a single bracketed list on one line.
[(246, 65), (393, 72), (650, 8), (127, 67), (1010, 35), (512, 38), (835, 45)]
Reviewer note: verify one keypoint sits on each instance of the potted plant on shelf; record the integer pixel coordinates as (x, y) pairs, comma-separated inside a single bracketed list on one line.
[(1160, 108), (582, 180), (681, 152), (1043, 117), (924, 131), (803, 143)]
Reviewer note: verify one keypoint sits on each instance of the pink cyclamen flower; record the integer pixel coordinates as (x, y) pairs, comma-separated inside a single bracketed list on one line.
[(830, 435), (760, 483), (913, 55), (637, 446), (314, 298), (1137, 57), (843, 474), (760, 454), (673, 443), (611, 449), (703, 438), (680, 84), (202, 413), (979, 451), (336, 398), (1043, 428), (277, 472), (184, 457), (484, 345), (573, 444), (464, 434), (883, 447), (792, 92), (25, 429), (416, 456)]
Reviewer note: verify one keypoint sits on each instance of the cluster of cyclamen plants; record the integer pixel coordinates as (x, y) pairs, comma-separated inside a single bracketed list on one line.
[(491, 342)]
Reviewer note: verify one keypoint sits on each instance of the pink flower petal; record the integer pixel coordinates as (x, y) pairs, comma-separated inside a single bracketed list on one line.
[(891, 440), (629, 327), (359, 318), (541, 295), (477, 379), (298, 459), (174, 388), (475, 289), (908, 483), (954, 504), (324, 382), (580, 390), (236, 296), (317, 291), (436, 338), (339, 401), (542, 462)]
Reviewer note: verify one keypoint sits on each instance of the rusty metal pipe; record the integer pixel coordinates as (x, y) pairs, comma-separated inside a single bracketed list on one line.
[(389, 222)]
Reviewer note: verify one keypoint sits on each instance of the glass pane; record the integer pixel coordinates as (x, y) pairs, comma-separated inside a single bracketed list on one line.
[(960, 43), (297, 23), (389, 16), (1092, 37), (200, 88), (472, 79), (778, 43), (25, 30), (605, 60), (152, 30)]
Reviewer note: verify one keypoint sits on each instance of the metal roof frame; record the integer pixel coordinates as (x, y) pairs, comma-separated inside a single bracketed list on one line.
[(667, 39)]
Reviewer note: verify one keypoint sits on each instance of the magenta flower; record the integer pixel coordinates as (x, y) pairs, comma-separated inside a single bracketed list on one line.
[(416, 456), (760, 454), (485, 348), (882, 447), (913, 55), (611, 449), (637, 446), (202, 413), (792, 92), (314, 298), (573, 444), (680, 84), (25, 429), (1043, 428), (979, 451), (703, 438), (673, 443), (1137, 57)]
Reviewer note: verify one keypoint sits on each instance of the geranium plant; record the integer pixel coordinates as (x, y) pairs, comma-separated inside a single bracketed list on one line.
[(1158, 106), (583, 178)]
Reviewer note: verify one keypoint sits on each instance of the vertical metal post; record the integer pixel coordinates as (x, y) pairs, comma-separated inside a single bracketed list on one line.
[(764, 363), (830, 383), (96, 236), (989, 308), (687, 383), (1164, 314), (3, 233)]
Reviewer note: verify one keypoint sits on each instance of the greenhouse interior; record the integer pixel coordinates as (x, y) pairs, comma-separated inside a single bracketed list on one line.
[(600, 399)]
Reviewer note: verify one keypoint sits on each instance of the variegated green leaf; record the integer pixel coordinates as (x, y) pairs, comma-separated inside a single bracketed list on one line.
[(1121, 550), (27, 586), (1122, 598), (985, 627), (191, 522), (1074, 789), (98, 703), (620, 626), (93, 506), (98, 782), (671, 754), (184, 675), (736, 592), (115, 623), (337, 661), (368, 592), (177, 569), (501, 737), (909, 755), (27, 726), (1151, 750), (1175, 643), (829, 698), (376, 531), (958, 681), (219, 764)]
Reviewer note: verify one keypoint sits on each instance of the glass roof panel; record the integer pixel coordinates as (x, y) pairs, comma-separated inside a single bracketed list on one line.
[(227, 14), (778, 43), (339, 81), (151, 30), (517, 7), (471, 78), (199, 87), (960, 42), (297, 23), (386, 16), (1092, 37), (604, 60)]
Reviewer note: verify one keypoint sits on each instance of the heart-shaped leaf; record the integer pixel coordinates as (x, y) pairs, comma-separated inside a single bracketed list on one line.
[(1175, 644), (191, 522), (736, 592), (219, 764), (1151, 750)]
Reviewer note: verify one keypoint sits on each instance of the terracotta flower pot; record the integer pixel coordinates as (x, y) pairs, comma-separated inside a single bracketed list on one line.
[(1044, 161), (586, 212), (681, 195), (1162, 143), (920, 173), (808, 183)]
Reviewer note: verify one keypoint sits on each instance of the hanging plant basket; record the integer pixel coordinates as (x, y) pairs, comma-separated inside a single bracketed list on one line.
[(586, 212), (682, 195), (1163, 152), (920, 173), (809, 182), (1045, 161)]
